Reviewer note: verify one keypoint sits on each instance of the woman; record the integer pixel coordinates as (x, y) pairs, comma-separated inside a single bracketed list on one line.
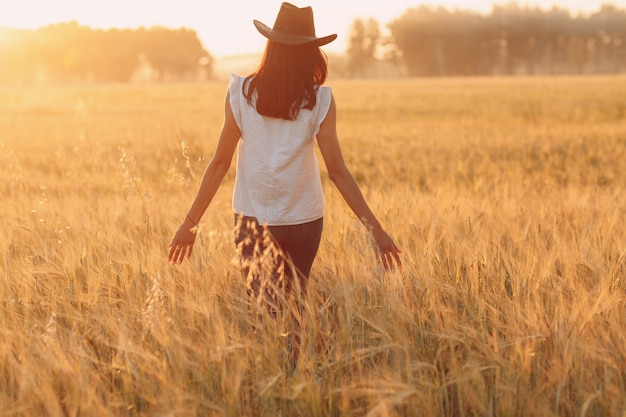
[(272, 118)]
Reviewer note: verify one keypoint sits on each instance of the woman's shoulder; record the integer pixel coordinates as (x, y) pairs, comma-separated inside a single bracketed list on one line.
[(236, 78), (238, 82), (324, 92), (324, 95)]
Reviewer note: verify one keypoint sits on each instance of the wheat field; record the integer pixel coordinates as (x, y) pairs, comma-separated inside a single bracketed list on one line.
[(506, 196)]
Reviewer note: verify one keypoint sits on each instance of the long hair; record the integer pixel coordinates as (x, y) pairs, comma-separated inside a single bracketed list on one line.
[(286, 80)]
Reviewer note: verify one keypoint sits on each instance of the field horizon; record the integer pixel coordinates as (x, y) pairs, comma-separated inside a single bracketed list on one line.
[(505, 194)]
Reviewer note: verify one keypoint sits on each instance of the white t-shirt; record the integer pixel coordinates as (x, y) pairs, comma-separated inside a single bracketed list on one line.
[(278, 178)]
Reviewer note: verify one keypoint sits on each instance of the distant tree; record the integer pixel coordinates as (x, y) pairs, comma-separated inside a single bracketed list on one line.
[(510, 40), (607, 29), (71, 52), (530, 39), (363, 41)]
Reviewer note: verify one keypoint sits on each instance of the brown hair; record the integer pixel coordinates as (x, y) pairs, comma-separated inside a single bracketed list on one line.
[(287, 79)]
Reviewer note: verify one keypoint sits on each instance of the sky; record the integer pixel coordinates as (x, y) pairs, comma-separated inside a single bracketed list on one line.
[(225, 27)]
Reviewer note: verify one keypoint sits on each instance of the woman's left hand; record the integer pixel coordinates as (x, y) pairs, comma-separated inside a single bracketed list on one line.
[(183, 241)]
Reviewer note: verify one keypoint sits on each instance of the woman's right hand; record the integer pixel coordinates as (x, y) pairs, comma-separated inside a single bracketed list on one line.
[(387, 250)]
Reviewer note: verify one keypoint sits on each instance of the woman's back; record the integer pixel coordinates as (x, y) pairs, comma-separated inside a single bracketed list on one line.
[(278, 179)]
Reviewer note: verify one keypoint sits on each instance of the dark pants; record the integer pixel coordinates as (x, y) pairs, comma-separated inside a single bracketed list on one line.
[(276, 260)]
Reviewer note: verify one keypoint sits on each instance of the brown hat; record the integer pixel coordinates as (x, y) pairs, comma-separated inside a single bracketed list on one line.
[(293, 26)]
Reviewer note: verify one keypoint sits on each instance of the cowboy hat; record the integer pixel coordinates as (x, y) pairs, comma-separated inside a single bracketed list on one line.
[(293, 26)]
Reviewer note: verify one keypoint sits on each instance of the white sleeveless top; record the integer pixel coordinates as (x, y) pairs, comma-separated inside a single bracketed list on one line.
[(278, 178)]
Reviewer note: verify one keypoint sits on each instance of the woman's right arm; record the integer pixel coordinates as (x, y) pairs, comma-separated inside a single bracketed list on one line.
[(343, 179)]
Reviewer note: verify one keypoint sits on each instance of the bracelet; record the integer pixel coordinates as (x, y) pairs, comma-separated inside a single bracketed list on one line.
[(192, 222)]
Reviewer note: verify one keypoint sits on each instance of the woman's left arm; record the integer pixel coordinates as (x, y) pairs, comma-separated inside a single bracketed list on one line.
[(184, 239)]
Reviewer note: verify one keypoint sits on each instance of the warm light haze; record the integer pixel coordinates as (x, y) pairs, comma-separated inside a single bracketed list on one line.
[(488, 139), (225, 28)]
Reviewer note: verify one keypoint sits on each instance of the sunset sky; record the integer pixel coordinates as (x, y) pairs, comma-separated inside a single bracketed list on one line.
[(225, 27)]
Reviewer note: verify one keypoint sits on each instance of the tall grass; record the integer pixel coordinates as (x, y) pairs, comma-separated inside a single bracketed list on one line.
[(506, 196)]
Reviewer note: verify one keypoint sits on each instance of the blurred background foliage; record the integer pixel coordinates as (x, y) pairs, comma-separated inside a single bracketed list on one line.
[(423, 41)]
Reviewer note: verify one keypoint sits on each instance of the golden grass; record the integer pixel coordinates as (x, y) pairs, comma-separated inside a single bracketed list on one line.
[(506, 195)]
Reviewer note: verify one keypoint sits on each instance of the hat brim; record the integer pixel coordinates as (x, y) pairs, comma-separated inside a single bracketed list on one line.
[(290, 38)]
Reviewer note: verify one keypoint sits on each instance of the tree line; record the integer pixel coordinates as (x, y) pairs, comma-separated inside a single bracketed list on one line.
[(423, 41), (430, 41), (71, 52)]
